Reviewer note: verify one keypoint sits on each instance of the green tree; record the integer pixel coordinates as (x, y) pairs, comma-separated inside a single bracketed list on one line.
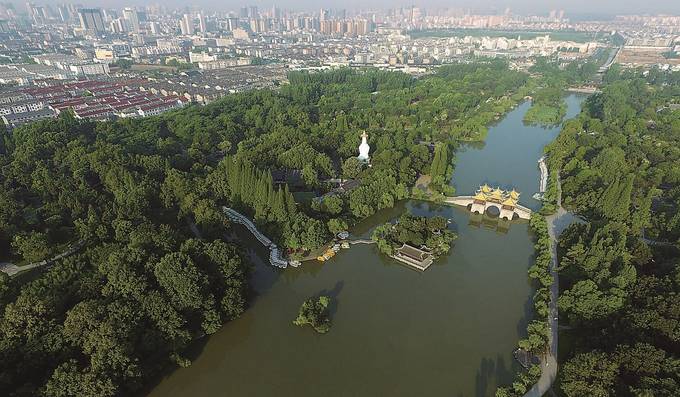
[(592, 374), (33, 246), (351, 168)]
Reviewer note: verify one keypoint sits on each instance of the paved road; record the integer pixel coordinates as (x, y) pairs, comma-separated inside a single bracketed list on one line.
[(12, 269), (549, 362)]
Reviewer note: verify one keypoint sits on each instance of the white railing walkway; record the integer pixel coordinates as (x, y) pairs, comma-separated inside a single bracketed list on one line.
[(275, 257), (543, 184)]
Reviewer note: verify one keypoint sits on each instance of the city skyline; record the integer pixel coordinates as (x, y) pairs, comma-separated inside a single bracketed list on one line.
[(524, 7)]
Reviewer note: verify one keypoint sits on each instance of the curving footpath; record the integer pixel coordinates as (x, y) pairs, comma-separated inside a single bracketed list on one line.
[(275, 257), (12, 269), (549, 362)]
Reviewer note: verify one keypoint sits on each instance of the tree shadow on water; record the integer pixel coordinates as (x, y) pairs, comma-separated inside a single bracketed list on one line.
[(527, 316), (491, 374), (333, 293)]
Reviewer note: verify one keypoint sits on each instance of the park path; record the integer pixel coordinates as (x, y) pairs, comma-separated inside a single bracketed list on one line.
[(12, 269), (549, 361)]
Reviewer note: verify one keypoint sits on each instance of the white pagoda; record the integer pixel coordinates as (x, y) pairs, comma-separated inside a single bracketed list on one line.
[(364, 148)]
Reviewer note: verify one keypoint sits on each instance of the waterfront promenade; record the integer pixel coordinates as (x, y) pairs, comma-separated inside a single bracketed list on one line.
[(549, 361), (275, 257)]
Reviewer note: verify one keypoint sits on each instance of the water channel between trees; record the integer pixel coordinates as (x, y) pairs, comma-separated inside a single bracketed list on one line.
[(449, 331)]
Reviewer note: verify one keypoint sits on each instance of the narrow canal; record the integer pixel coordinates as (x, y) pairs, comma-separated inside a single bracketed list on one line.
[(449, 331)]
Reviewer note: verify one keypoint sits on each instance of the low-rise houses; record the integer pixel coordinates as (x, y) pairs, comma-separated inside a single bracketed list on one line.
[(87, 100), (15, 119)]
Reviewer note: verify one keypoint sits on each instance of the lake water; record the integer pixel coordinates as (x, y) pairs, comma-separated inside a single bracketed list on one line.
[(449, 331)]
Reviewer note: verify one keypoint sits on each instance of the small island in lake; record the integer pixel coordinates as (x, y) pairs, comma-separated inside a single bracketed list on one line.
[(415, 241), (314, 311)]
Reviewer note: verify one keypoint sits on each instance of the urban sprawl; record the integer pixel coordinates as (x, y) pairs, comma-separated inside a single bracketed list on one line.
[(103, 63)]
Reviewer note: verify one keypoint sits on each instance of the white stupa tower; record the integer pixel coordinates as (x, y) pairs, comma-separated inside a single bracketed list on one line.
[(364, 148)]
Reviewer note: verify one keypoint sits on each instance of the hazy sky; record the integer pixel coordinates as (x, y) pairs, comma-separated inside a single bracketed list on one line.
[(518, 6)]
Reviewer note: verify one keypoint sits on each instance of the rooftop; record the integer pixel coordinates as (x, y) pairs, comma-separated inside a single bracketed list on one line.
[(413, 257)]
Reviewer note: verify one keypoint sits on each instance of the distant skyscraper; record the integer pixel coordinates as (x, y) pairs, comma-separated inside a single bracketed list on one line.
[(232, 23), (91, 19), (252, 12), (109, 15), (64, 16), (155, 28), (131, 18), (39, 14), (187, 24), (118, 25), (202, 26)]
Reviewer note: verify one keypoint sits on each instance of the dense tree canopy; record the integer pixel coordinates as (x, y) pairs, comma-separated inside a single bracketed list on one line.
[(144, 197), (619, 269)]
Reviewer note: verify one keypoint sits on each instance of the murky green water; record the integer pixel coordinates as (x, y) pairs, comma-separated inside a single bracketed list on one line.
[(449, 331)]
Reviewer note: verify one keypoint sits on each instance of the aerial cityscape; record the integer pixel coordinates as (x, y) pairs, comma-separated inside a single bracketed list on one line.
[(340, 199)]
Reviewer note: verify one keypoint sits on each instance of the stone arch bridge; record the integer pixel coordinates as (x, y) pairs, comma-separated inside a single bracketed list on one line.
[(506, 202)]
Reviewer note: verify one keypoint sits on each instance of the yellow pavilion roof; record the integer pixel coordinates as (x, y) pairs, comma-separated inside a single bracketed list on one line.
[(510, 202), (485, 188), (480, 196), (514, 194), (497, 194)]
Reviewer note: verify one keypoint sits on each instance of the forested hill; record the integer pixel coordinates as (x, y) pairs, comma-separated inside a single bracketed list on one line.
[(106, 320), (620, 270)]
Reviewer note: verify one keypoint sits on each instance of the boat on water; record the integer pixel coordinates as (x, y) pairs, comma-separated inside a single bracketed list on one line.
[(328, 254)]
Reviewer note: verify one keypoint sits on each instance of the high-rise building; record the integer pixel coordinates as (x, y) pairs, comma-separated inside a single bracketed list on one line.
[(232, 23), (109, 15), (64, 16), (202, 26), (253, 12), (131, 19), (91, 19), (187, 25), (254, 25), (39, 14), (117, 25), (155, 28)]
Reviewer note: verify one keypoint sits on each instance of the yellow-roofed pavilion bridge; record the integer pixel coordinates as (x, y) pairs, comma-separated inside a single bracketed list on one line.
[(505, 201)]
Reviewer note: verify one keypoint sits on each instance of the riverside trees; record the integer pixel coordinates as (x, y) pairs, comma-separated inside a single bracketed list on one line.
[(103, 321), (619, 162)]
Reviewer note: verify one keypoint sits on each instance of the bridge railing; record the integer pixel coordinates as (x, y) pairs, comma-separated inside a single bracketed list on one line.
[(275, 257)]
